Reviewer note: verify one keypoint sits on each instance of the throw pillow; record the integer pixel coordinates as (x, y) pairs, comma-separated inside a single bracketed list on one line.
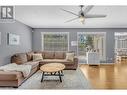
[(70, 56), (37, 57)]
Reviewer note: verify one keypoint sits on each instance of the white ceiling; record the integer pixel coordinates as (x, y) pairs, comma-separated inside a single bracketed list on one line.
[(53, 17)]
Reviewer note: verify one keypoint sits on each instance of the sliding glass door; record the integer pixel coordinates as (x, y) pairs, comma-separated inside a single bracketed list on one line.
[(91, 41)]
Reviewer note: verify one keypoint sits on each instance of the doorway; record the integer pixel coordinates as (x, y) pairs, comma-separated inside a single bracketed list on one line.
[(91, 41)]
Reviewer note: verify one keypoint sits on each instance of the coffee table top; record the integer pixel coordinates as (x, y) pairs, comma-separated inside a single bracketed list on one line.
[(52, 67)]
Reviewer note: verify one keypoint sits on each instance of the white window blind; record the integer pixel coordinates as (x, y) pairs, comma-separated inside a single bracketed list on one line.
[(55, 41)]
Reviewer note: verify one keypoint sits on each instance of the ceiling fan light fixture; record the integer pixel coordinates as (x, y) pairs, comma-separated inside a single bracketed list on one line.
[(82, 19)]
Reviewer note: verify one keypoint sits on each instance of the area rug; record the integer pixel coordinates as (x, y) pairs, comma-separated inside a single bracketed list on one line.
[(72, 79)]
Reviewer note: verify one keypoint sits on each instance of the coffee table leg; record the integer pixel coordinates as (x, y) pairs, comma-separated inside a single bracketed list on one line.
[(42, 76), (60, 76), (61, 71)]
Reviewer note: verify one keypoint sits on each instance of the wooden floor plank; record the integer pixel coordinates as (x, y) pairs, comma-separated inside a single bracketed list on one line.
[(106, 76)]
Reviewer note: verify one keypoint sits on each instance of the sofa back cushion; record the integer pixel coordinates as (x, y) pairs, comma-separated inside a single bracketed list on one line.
[(60, 55), (19, 58), (48, 55), (29, 56)]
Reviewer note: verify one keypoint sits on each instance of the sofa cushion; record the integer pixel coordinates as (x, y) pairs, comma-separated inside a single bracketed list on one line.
[(19, 58), (48, 55), (59, 55), (29, 56), (37, 57), (32, 63)]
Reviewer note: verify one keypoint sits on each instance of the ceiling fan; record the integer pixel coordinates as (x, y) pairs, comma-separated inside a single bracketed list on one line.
[(83, 14)]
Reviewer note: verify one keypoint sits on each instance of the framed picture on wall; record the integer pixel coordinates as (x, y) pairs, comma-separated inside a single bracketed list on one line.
[(13, 39)]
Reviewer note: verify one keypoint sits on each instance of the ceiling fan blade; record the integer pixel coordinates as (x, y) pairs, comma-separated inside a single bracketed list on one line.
[(88, 8), (72, 19), (69, 12), (94, 16)]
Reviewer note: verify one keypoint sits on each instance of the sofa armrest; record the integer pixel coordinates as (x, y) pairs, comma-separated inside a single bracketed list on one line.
[(76, 58)]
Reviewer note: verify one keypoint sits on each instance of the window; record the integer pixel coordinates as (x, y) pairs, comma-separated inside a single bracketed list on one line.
[(120, 40), (121, 43), (52, 41)]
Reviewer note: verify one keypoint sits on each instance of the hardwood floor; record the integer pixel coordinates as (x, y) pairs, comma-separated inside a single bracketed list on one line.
[(106, 76)]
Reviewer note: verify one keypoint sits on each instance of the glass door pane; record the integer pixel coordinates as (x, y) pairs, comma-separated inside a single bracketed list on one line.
[(94, 42)]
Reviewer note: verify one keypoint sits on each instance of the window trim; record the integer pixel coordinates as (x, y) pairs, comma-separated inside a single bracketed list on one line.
[(42, 38)]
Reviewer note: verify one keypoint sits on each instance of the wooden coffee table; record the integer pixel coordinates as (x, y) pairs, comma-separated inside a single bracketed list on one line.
[(52, 69)]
